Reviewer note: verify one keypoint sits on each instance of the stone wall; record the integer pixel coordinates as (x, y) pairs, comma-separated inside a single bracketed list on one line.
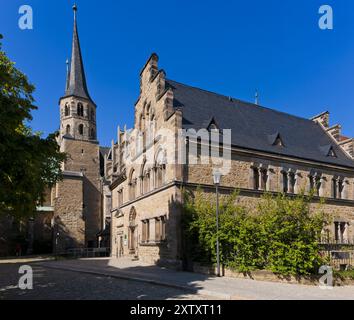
[(151, 206), (84, 158), (69, 221), (240, 174)]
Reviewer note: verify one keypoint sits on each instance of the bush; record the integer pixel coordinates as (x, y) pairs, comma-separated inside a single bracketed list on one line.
[(281, 235)]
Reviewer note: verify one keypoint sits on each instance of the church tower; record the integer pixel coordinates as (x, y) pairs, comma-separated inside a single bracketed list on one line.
[(77, 110), (78, 196)]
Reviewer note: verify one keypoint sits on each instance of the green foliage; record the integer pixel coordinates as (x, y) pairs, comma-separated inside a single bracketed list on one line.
[(28, 163), (281, 235)]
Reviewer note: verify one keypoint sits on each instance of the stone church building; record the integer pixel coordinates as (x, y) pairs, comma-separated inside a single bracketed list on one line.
[(128, 197), (81, 201), (267, 150)]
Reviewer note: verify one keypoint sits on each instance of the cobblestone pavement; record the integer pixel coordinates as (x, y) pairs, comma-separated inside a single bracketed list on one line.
[(219, 288), (50, 284)]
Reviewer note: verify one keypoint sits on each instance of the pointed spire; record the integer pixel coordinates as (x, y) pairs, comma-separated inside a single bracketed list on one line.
[(76, 81)]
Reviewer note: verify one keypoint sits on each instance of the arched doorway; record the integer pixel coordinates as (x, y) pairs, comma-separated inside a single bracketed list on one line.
[(132, 233)]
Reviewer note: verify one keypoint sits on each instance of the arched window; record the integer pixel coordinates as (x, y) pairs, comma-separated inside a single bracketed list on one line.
[(264, 179), (145, 179), (289, 181), (132, 185), (67, 110), (80, 109), (92, 115), (292, 182), (285, 182), (160, 169), (315, 183), (68, 129), (255, 178), (132, 236), (92, 133), (146, 182), (81, 129), (160, 175)]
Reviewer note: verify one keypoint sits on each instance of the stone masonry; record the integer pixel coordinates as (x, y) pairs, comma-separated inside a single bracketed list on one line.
[(147, 180)]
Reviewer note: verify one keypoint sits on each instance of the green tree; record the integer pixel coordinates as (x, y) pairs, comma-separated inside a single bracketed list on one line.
[(28, 163)]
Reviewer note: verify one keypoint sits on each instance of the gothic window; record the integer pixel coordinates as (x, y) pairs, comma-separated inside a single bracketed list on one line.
[(292, 182), (81, 129), (157, 229), (68, 129), (264, 179), (312, 183), (132, 185), (289, 182), (340, 189), (152, 121), (337, 188), (92, 134), (145, 231), (92, 115), (160, 169), (160, 228), (146, 182), (315, 184), (340, 232), (160, 175), (67, 110), (80, 109), (163, 228), (255, 179), (285, 182), (334, 188)]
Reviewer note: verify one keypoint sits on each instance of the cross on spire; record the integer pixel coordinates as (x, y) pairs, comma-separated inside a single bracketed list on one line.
[(256, 97)]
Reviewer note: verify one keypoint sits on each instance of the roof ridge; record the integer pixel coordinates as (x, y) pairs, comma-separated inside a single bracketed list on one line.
[(242, 101)]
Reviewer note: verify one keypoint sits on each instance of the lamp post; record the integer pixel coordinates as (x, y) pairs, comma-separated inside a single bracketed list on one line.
[(217, 178)]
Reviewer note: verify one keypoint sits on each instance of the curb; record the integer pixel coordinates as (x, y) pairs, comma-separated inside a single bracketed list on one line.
[(139, 279)]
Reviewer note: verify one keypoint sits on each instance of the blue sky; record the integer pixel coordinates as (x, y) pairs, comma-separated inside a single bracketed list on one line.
[(230, 47)]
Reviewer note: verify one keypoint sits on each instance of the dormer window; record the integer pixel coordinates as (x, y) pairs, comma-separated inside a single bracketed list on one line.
[(212, 126), (331, 153), (276, 140), (328, 151)]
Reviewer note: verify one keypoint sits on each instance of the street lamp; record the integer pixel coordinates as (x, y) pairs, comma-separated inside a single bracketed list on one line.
[(217, 178)]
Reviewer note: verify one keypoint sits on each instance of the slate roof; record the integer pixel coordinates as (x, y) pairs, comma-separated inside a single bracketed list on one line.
[(76, 80), (254, 127)]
